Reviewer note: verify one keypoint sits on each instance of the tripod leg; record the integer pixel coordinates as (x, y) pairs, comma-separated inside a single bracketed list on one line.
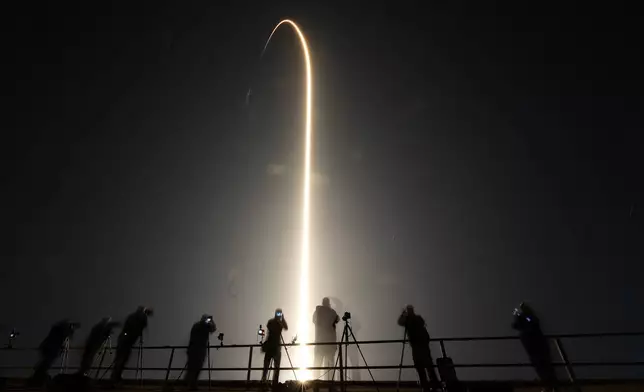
[(181, 373), (270, 371), (63, 357), (141, 361), (289, 358), (342, 365), (106, 370), (138, 358), (346, 353), (402, 358), (363, 359), (335, 365), (100, 363)]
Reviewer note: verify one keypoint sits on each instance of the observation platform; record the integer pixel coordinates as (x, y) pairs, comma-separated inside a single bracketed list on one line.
[(619, 368)]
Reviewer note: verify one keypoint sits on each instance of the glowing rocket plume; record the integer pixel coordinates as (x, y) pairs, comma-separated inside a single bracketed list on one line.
[(304, 358)]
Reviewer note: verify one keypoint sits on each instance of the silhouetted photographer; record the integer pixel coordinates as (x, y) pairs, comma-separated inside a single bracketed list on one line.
[(131, 332), (54, 344), (419, 341), (271, 347), (98, 336), (535, 343), (325, 320), (198, 348)]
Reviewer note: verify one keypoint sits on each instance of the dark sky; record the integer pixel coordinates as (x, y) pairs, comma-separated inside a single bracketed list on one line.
[(465, 159)]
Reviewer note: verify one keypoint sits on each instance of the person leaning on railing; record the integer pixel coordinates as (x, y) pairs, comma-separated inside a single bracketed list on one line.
[(419, 341), (131, 332), (198, 348)]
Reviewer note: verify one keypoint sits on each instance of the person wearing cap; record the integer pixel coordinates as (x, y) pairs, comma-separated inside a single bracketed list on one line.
[(271, 347), (416, 330), (131, 332), (197, 349)]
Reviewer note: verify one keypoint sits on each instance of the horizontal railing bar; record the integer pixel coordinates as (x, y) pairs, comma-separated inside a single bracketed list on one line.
[(375, 367), (394, 341)]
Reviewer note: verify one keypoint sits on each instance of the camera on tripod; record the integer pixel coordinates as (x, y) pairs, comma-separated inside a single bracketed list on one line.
[(346, 317), (220, 337), (12, 336)]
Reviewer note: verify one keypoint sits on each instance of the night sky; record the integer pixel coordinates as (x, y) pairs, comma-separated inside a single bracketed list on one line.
[(465, 159)]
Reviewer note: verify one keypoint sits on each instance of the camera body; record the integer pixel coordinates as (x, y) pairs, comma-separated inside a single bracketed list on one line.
[(261, 331), (346, 316)]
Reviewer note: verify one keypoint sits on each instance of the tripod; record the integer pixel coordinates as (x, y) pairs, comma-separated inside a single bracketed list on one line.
[(107, 345), (187, 370), (344, 341), (402, 358), (268, 374), (139, 362), (64, 356)]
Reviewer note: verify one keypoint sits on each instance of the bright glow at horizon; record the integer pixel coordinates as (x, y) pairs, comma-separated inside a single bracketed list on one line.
[(304, 358)]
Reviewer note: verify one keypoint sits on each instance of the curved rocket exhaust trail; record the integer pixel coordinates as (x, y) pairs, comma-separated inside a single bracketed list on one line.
[(304, 358)]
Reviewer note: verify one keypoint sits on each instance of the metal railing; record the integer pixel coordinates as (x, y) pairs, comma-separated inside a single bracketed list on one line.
[(557, 340)]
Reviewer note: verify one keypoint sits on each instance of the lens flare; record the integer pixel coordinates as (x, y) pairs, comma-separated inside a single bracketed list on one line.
[(304, 358)]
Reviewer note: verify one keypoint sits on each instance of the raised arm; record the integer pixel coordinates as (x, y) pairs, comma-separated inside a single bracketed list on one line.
[(402, 320)]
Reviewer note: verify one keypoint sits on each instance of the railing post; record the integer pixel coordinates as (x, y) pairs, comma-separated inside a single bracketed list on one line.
[(443, 351), (564, 359), (250, 363), (167, 372)]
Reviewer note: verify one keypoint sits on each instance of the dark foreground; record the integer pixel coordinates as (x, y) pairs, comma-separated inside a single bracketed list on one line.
[(322, 386)]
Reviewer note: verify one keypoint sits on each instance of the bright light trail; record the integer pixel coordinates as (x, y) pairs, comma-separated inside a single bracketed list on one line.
[(304, 359)]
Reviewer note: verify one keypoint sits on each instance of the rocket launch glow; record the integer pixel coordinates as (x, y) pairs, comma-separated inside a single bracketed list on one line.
[(304, 358)]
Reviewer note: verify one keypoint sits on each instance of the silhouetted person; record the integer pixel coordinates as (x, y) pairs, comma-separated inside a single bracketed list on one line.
[(271, 347), (325, 320), (52, 346), (197, 348), (419, 341), (131, 332), (535, 343), (97, 336)]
